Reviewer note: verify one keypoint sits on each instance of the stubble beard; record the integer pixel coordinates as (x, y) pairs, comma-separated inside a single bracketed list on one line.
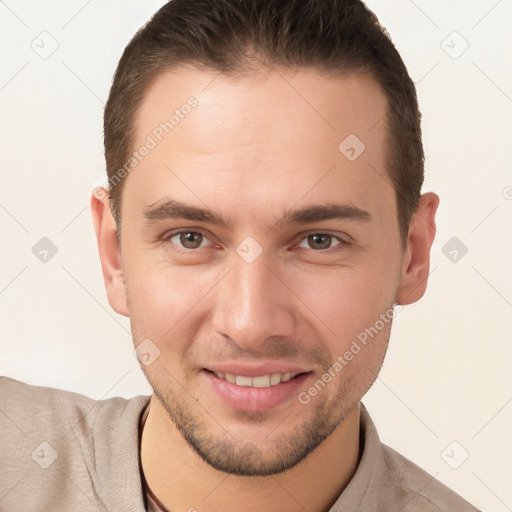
[(242, 457)]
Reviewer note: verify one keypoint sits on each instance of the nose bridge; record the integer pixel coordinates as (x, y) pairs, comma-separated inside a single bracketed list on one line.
[(253, 306), (251, 286)]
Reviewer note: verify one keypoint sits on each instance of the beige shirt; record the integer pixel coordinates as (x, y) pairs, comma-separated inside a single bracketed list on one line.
[(61, 451)]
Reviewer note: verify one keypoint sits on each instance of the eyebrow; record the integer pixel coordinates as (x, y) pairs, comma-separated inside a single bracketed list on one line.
[(173, 209), (316, 213)]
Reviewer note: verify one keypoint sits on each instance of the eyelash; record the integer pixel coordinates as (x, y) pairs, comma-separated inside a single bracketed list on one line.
[(341, 245)]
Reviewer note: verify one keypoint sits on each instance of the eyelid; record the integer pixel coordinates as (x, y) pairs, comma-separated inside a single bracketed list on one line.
[(342, 242), (170, 234)]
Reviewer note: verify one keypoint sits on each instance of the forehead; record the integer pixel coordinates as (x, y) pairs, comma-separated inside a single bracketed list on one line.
[(252, 108), (276, 135)]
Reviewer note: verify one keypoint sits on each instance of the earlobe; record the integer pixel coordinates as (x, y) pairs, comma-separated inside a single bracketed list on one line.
[(110, 252), (416, 258)]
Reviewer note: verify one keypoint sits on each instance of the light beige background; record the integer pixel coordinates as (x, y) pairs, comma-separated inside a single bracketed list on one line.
[(447, 376)]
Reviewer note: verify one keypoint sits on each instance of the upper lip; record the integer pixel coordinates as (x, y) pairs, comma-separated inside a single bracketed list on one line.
[(256, 369)]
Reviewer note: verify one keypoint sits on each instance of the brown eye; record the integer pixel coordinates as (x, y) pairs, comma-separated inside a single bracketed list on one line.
[(319, 241), (322, 241), (188, 239)]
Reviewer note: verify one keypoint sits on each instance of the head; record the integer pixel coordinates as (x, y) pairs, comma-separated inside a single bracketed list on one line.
[(264, 211)]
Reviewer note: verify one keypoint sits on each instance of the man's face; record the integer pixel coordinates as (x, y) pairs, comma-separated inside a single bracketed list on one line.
[(268, 293)]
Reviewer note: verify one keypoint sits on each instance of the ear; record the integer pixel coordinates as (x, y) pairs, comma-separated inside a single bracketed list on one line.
[(110, 252), (416, 257)]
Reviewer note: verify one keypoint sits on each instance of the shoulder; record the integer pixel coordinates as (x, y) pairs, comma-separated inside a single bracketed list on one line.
[(23, 400), (418, 490), (41, 409), (387, 481), (16, 395), (57, 444)]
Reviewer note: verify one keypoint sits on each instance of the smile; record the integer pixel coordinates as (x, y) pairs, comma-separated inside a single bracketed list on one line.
[(260, 381), (258, 392)]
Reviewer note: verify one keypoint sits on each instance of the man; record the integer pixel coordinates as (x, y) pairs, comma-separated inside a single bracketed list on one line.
[(263, 222)]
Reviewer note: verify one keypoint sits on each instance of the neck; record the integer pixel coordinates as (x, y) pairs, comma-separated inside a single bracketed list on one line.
[(181, 480)]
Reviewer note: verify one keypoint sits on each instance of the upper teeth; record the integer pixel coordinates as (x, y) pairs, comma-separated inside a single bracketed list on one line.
[(262, 381)]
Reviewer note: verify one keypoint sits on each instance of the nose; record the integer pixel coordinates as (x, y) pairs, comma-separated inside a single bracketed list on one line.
[(253, 305)]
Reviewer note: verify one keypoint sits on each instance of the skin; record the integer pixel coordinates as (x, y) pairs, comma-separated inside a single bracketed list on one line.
[(251, 150)]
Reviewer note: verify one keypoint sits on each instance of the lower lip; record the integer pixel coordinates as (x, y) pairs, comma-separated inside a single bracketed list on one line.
[(254, 399)]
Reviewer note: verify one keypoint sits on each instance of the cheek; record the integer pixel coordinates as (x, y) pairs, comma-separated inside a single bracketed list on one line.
[(348, 300), (354, 307), (164, 300)]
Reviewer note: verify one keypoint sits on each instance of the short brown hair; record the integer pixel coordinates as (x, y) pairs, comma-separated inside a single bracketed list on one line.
[(232, 35)]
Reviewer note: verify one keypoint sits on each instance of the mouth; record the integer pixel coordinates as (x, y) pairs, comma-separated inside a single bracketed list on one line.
[(258, 392), (259, 381)]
